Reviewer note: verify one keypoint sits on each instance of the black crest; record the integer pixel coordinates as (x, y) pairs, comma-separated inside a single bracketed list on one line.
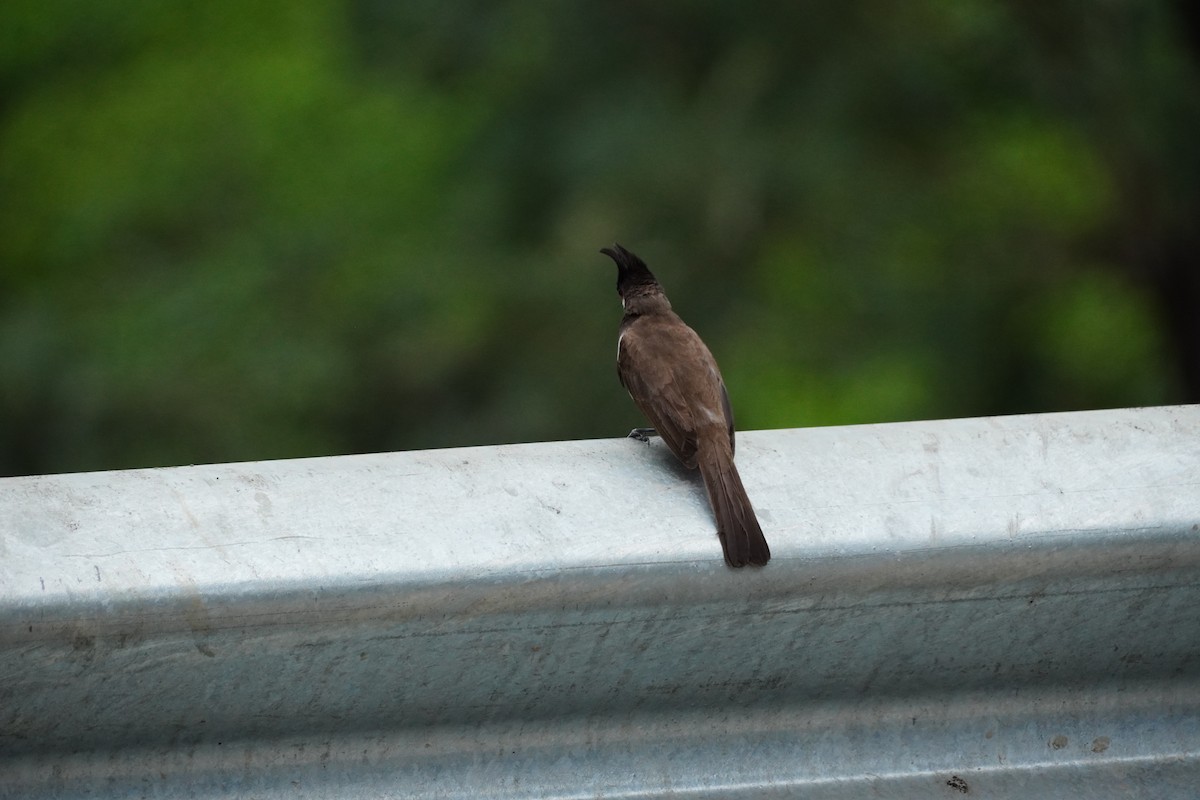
[(632, 272)]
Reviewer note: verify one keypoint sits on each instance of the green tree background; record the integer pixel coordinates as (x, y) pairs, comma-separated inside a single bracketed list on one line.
[(235, 231)]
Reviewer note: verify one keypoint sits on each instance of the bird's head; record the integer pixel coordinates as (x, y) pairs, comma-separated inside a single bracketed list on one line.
[(634, 278)]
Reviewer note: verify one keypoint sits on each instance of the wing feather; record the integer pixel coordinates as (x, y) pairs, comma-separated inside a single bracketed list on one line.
[(651, 384), (728, 409)]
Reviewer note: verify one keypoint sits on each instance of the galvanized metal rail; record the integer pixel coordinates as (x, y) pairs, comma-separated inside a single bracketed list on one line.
[(1005, 607)]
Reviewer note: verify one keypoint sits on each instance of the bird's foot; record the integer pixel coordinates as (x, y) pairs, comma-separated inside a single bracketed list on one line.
[(642, 434)]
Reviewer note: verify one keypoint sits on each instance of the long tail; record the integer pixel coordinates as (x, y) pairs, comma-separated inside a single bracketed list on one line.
[(741, 537)]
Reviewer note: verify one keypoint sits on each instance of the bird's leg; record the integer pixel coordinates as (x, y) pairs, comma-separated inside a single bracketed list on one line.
[(642, 434)]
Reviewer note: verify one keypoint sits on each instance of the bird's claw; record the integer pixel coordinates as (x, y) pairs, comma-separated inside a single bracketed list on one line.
[(642, 434)]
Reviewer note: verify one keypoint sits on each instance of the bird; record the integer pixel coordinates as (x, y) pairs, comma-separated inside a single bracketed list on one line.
[(674, 381)]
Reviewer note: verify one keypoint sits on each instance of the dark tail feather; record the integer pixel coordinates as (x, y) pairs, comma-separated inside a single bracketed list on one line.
[(741, 537)]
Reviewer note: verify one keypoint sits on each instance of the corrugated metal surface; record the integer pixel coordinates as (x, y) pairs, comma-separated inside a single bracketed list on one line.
[(997, 607)]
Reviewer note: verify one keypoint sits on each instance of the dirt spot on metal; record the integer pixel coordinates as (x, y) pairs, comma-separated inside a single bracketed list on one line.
[(958, 783)]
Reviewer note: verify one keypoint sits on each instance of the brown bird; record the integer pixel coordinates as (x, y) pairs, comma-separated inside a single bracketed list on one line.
[(673, 378)]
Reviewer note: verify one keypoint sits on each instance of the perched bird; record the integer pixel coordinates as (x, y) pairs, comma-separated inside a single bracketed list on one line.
[(673, 378)]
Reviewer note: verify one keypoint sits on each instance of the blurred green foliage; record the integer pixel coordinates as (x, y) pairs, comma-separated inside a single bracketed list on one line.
[(234, 231)]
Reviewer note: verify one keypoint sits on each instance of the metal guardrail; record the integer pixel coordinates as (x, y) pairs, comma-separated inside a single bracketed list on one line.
[(1002, 607)]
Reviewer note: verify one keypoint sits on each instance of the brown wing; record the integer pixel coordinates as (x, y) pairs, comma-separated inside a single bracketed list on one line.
[(728, 409), (644, 367)]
